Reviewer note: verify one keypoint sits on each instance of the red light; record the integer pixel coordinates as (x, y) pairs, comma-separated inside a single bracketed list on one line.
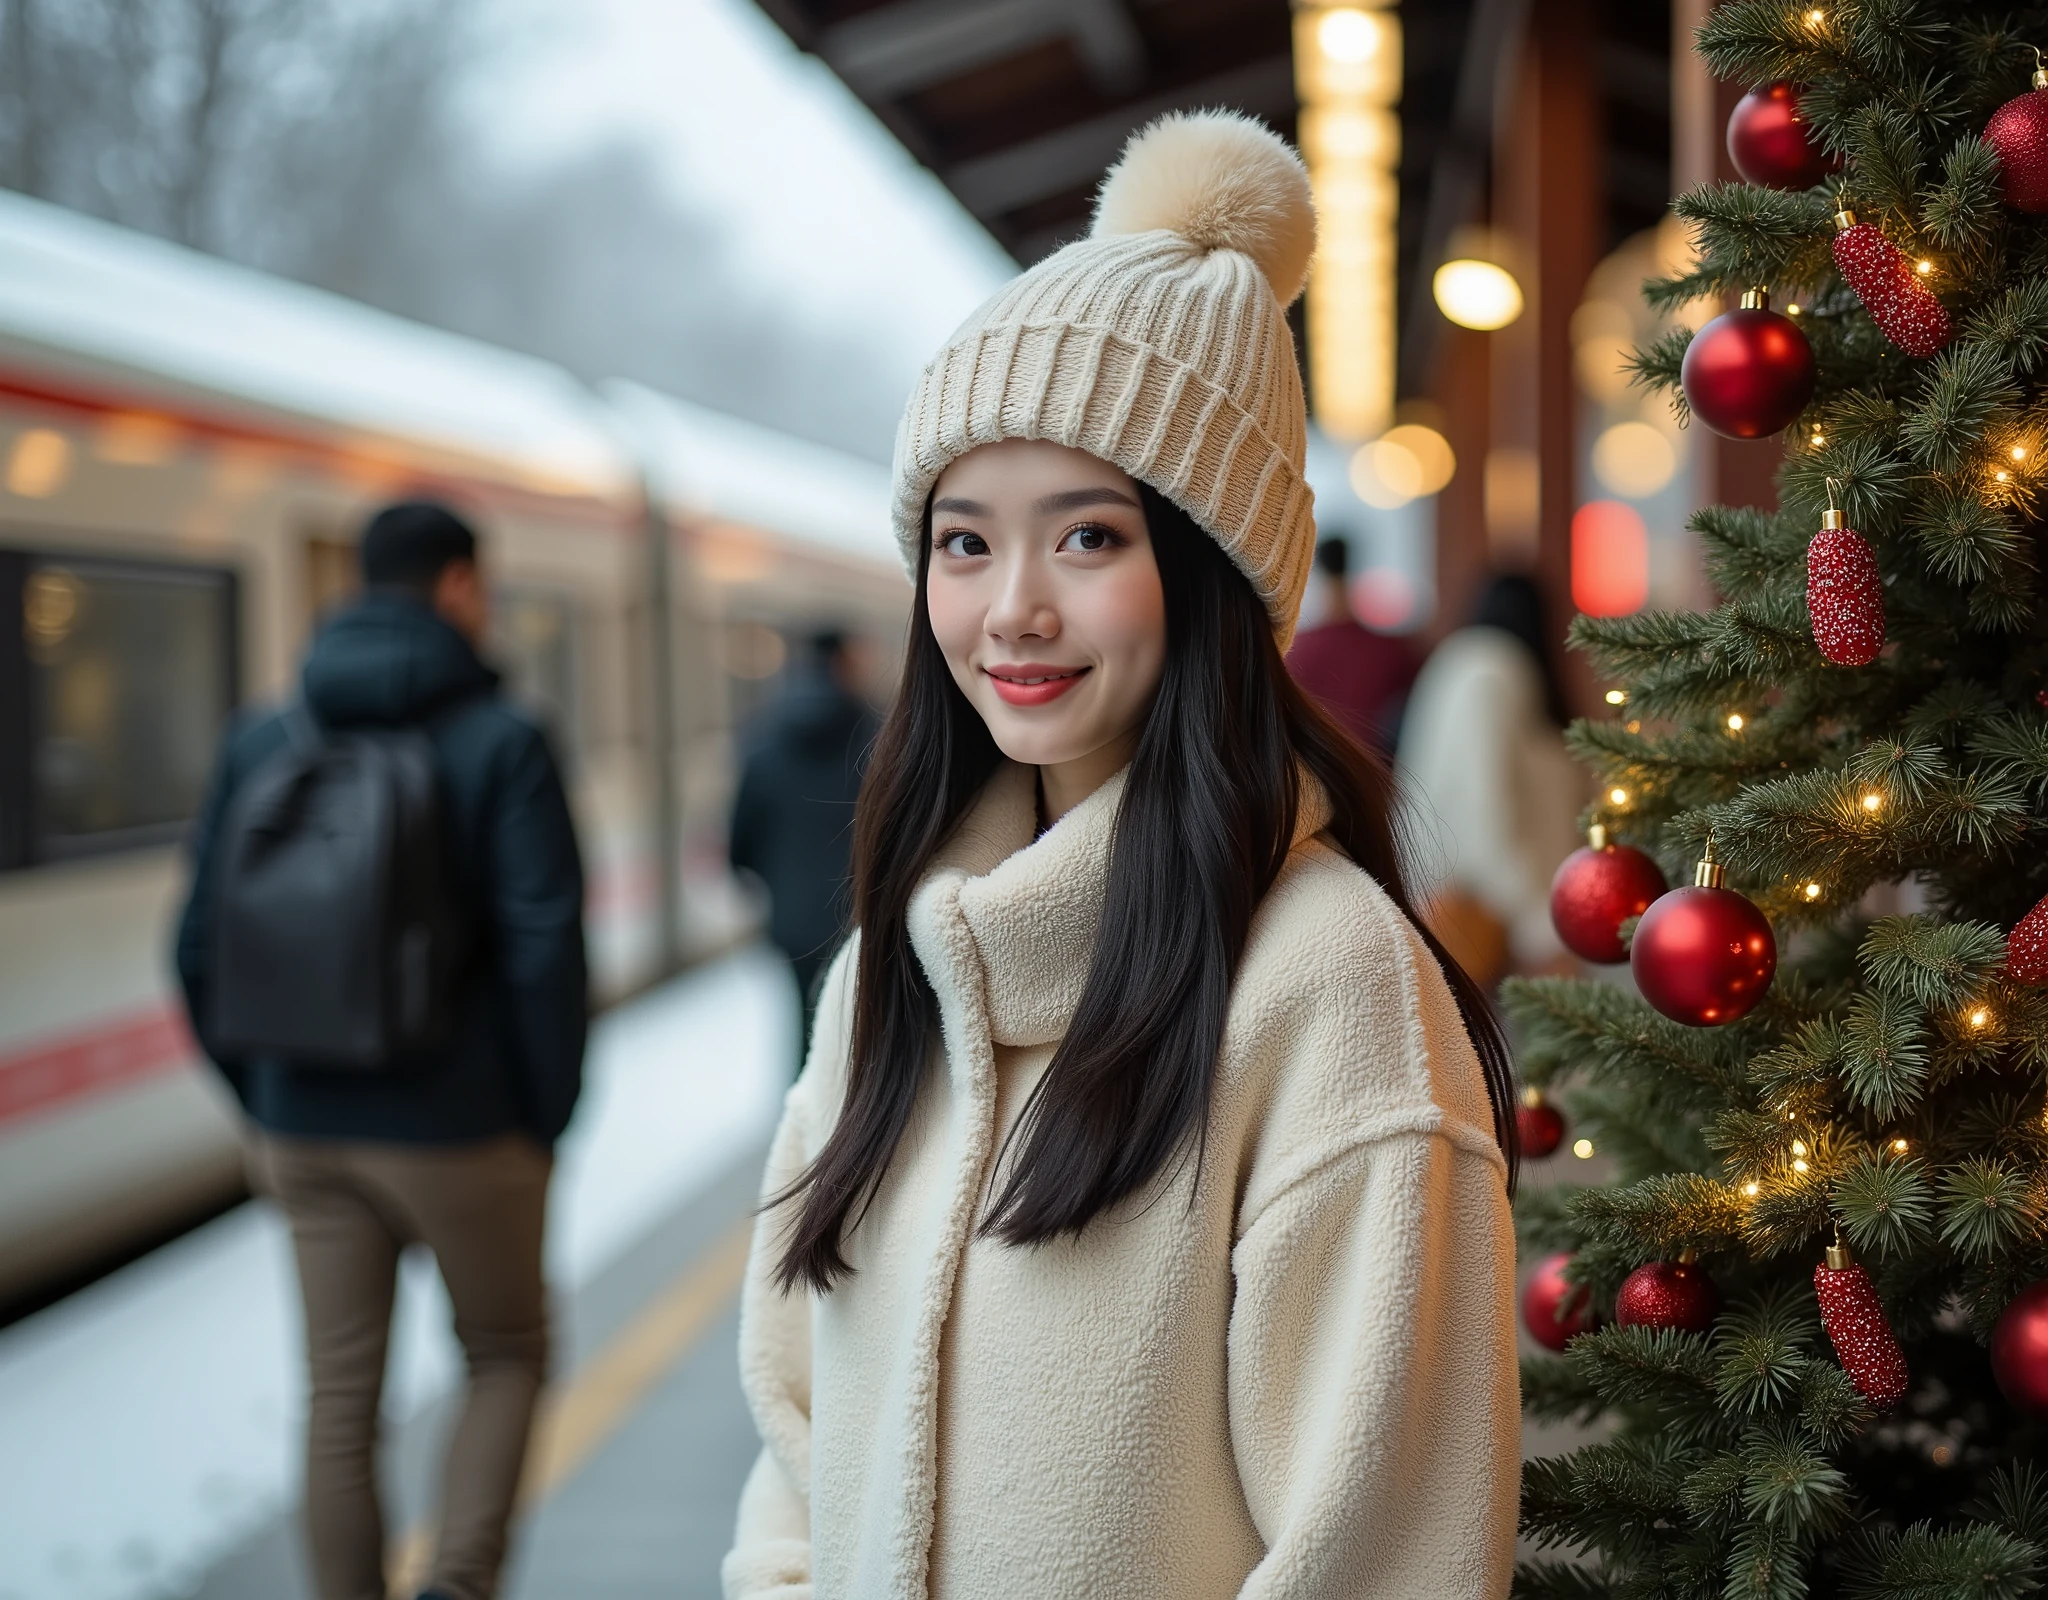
[(1610, 559), (1383, 598)]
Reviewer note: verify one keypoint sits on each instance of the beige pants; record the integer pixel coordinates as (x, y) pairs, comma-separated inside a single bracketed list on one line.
[(353, 1207)]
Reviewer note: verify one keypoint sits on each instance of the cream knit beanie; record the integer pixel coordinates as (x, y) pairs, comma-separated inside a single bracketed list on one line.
[(1159, 343)]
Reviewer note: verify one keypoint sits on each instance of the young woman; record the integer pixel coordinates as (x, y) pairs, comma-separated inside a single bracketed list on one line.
[(1139, 1225)]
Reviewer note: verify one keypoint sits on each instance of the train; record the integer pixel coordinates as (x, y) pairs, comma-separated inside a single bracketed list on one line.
[(187, 451)]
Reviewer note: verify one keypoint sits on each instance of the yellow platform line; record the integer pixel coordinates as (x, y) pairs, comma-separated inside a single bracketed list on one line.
[(575, 1419)]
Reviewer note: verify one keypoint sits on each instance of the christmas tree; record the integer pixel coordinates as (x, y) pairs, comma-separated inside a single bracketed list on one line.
[(1818, 1274)]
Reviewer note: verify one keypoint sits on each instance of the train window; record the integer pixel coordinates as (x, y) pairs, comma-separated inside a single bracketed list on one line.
[(533, 642), (114, 690)]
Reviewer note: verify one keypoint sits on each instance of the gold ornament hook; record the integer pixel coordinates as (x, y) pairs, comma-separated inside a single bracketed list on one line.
[(1709, 873), (2040, 71), (1832, 518)]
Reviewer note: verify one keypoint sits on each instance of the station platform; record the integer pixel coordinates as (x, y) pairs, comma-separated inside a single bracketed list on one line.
[(150, 1441)]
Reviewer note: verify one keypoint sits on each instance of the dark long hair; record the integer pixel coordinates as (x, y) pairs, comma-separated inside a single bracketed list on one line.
[(1206, 822)]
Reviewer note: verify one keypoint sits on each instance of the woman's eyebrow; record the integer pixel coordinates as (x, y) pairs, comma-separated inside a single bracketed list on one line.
[(1075, 499), (961, 508)]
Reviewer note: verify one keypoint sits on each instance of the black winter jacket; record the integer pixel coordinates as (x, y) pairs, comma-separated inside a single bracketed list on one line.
[(517, 1058), (792, 820)]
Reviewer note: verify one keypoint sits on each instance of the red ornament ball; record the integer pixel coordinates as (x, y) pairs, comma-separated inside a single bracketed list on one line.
[(1748, 373), (1860, 1332), (1539, 1126), (2018, 132), (1844, 597), (2026, 947), (1891, 290), (1554, 1311), (1703, 956), (1771, 146), (1668, 1294), (1595, 891), (2019, 1349)]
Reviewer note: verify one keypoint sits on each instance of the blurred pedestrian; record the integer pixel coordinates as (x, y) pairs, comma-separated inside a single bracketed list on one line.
[(1493, 796), (792, 819), (1360, 677), (383, 952)]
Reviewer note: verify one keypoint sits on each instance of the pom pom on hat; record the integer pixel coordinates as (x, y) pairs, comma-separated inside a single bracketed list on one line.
[(1222, 182)]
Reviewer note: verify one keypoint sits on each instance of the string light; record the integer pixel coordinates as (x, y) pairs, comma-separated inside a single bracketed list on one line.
[(1799, 1166), (1980, 1017), (1799, 1147), (1617, 697), (1813, 891), (1792, 310), (1818, 440), (1749, 1191), (1816, 16), (1899, 1145), (1583, 1149), (1923, 267), (2019, 452), (1617, 797), (1735, 722), (1873, 801), (2002, 475)]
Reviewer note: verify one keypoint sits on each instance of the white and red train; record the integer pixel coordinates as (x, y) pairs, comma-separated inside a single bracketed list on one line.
[(186, 451)]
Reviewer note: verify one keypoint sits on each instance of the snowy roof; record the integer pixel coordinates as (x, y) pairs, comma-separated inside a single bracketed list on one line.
[(78, 293), (704, 463)]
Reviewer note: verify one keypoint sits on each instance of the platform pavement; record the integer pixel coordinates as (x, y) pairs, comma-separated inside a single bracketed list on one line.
[(149, 1447)]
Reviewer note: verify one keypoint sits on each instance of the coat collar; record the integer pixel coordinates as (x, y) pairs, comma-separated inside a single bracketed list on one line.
[(1024, 912)]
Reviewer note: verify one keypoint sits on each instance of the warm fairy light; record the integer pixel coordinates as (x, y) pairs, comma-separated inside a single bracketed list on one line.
[(1617, 797), (1873, 801), (1813, 891), (1792, 310), (1923, 267), (1942, 1454), (1816, 16), (1583, 1149), (2019, 452), (2002, 475), (1799, 1166), (1799, 1147), (1818, 440), (1477, 294), (1980, 1017), (1749, 1191), (1616, 697), (1735, 722), (1899, 1145), (1633, 726)]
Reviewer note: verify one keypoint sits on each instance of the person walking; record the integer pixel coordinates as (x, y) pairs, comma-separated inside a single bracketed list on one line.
[(792, 816), (1360, 677), (445, 1138), (1139, 1224), (1494, 796)]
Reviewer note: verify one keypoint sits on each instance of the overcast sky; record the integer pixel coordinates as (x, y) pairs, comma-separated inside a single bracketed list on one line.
[(821, 201)]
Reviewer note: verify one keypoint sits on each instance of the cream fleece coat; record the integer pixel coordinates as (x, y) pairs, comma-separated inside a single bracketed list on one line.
[(1288, 1371)]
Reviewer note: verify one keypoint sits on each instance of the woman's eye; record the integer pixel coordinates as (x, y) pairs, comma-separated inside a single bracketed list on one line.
[(1088, 540), (964, 544)]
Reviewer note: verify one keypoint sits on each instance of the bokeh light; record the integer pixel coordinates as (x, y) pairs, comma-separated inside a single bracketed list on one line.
[(1383, 598), (1477, 294), (1610, 559), (1633, 459)]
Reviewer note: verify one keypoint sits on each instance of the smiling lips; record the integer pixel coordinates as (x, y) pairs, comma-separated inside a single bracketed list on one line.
[(1033, 683)]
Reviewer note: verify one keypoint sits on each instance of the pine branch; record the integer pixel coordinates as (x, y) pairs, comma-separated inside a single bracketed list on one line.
[(1760, 1354), (1918, 1563), (2014, 322), (1987, 1207), (1883, 1203), (1966, 386), (1965, 209), (1931, 963)]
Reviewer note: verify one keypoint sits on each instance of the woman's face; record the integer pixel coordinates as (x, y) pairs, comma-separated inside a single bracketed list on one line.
[(1045, 598)]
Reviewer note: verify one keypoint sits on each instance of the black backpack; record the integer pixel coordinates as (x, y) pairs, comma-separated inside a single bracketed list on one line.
[(339, 939)]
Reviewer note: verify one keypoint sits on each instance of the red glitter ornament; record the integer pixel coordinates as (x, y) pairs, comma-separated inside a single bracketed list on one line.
[(1668, 1294), (1858, 1329), (1748, 373), (1890, 287), (1553, 1310), (2026, 947), (2019, 1349), (1770, 145), (2018, 132), (1539, 1125), (1844, 594), (1596, 890), (1703, 955)]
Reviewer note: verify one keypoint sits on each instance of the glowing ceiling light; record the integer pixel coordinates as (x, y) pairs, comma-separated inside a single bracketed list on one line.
[(1348, 36), (1477, 294)]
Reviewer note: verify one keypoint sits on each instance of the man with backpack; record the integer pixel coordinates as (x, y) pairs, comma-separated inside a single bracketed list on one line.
[(383, 952)]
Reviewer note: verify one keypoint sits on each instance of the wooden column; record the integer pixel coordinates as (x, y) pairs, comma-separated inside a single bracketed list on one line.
[(1548, 202)]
